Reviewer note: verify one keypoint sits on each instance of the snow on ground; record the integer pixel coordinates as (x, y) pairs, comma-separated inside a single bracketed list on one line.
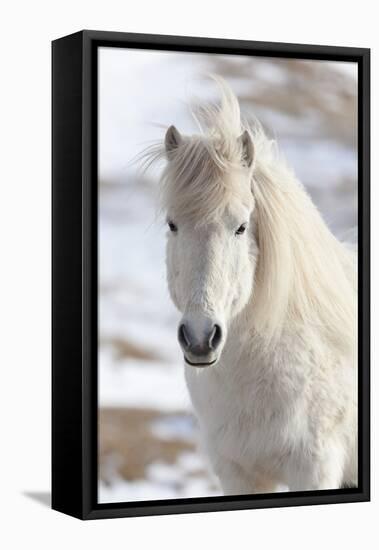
[(141, 383), (163, 481)]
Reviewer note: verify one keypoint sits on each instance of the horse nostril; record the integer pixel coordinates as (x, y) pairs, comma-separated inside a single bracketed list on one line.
[(215, 337), (183, 337)]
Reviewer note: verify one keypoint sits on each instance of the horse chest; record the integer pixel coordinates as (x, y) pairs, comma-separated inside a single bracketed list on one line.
[(249, 412)]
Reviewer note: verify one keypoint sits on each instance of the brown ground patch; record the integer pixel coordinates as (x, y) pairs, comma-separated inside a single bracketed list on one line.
[(124, 349), (127, 444)]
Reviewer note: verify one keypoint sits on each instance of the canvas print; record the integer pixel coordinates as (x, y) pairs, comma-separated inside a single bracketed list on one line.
[(227, 215)]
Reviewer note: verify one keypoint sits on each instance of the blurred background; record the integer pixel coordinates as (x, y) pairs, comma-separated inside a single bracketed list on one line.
[(147, 432)]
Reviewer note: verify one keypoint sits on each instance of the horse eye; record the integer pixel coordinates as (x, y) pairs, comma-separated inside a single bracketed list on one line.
[(241, 229), (172, 226)]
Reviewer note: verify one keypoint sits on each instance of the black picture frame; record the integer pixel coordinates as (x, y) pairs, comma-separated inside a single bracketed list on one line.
[(74, 273)]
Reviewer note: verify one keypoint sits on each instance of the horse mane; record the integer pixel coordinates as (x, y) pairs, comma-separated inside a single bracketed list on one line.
[(305, 278)]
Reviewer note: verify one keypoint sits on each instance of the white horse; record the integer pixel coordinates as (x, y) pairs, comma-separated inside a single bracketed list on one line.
[(269, 304)]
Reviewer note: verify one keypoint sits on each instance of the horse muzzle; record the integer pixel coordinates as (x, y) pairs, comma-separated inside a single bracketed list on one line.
[(201, 340)]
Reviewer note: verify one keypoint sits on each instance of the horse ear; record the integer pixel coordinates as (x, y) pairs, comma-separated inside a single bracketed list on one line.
[(172, 140), (247, 149)]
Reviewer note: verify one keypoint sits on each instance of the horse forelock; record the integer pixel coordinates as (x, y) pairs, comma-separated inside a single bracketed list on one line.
[(201, 180)]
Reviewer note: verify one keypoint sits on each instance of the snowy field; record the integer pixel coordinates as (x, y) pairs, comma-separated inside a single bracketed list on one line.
[(148, 435)]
